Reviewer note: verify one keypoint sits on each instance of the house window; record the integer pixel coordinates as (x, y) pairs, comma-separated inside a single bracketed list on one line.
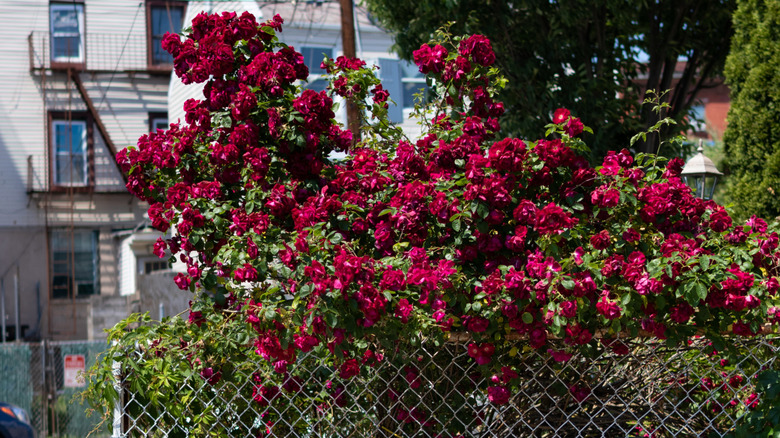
[(67, 32), (74, 263), (158, 121), (413, 83), (71, 139), (148, 265), (162, 17), (313, 57), (69, 144), (403, 81)]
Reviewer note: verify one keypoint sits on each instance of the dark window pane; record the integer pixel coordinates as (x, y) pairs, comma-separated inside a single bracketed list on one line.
[(313, 57), (66, 47), (74, 263), (165, 18), (70, 152), (154, 266), (86, 289), (70, 137), (159, 123), (412, 88)]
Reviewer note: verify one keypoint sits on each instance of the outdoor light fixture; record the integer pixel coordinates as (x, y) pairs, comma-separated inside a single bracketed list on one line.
[(701, 174)]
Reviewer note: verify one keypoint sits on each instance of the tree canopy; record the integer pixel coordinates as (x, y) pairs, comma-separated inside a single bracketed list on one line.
[(752, 139), (593, 57)]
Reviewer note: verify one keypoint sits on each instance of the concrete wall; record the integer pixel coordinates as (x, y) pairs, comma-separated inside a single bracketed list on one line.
[(158, 288)]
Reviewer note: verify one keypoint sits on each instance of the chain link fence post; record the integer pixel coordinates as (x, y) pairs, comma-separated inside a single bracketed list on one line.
[(116, 425)]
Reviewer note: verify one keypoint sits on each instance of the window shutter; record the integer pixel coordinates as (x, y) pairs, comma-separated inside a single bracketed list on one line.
[(390, 71)]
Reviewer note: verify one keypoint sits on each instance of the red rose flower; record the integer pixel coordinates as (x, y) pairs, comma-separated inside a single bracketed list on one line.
[(561, 115), (479, 49), (350, 368), (607, 308), (498, 395)]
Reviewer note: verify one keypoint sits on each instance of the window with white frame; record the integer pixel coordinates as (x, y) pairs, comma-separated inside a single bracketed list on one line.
[(74, 262), (148, 265), (70, 158), (158, 120), (413, 83), (66, 21), (313, 57)]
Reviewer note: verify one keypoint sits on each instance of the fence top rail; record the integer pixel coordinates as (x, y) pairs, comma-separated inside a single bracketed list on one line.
[(766, 330)]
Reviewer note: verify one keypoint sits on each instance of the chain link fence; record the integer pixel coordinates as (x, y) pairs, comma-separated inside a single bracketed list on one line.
[(638, 388), (43, 378)]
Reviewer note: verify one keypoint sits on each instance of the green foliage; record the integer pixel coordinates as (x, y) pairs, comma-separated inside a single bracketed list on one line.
[(582, 55), (752, 139), (764, 421)]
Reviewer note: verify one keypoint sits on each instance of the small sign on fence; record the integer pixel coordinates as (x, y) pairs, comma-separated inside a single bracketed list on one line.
[(74, 370)]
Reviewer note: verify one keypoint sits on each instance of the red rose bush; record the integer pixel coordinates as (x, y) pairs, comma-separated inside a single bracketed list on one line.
[(460, 234)]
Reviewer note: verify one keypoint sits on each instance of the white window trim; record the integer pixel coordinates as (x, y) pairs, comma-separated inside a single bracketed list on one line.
[(55, 154), (159, 123), (80, 17)]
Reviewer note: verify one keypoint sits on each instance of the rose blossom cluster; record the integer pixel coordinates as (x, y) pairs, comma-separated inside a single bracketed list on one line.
[(458, 231)]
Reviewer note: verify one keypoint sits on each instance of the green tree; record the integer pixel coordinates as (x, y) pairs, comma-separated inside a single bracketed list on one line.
[(752, 139), (583, 55)]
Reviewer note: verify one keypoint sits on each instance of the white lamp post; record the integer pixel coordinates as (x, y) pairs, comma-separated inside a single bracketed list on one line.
[(701, 174)]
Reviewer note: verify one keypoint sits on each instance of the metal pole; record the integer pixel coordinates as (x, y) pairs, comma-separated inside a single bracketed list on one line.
[(348, 47), (2, 307), (18, 333), (162, 310), (116, 424), (45, 398)]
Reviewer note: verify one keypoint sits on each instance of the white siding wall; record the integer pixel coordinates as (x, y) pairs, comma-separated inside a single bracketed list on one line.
[(127, 267), (21, 106)]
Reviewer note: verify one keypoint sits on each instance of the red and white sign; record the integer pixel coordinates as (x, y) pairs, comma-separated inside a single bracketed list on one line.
[(74, 370)]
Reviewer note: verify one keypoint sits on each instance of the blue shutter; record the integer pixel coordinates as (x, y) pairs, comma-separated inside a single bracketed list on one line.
[(390, 72)]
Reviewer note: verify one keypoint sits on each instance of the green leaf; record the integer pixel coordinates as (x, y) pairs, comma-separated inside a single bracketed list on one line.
[(527, 318), (331, 319), (704, 262), (701, 290)]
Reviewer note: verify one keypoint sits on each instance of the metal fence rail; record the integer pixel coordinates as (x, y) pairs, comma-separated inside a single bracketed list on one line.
[(33, 378), (439, 392)]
